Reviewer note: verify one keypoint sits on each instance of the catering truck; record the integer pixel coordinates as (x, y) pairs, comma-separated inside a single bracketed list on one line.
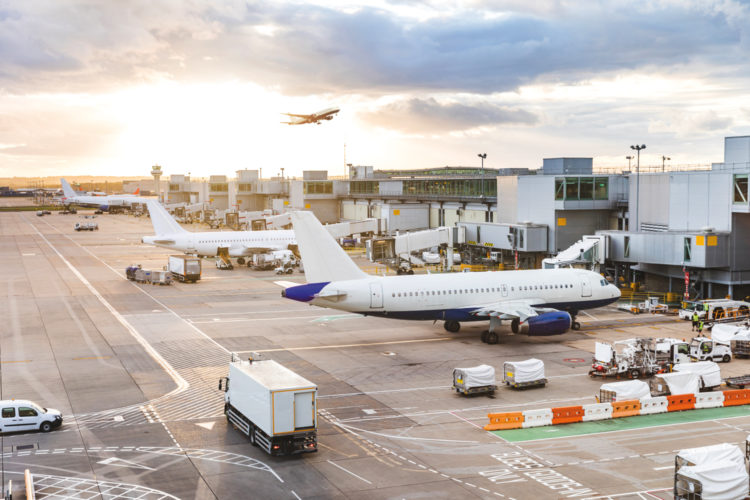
[(185, 267), (273, 406)]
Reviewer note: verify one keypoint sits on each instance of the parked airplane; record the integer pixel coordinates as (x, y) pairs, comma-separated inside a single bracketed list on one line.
[(240, 244), (326, 114), (70, 197), (541, 302)]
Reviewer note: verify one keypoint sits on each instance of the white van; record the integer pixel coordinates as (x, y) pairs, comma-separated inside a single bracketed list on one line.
[(18, 415)]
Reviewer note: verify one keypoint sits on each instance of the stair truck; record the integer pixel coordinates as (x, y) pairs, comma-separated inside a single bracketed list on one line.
[(273, 406)]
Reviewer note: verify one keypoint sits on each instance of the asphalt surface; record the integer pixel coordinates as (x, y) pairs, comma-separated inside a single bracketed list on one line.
[(134, 369)]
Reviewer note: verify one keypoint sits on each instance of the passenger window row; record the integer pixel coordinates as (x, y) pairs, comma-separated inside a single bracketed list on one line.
[(524, 288)]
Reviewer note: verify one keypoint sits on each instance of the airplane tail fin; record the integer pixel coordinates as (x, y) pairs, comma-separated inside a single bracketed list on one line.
[(137, 191), (162, 221), (67, 190), (323, 258)]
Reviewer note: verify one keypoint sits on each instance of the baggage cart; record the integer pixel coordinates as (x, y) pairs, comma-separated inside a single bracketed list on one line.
[(523, 374), (474, 380), (161, 278)]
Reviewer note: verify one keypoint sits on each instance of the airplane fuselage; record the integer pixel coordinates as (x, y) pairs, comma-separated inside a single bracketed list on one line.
[(455, 296), (238, 243)]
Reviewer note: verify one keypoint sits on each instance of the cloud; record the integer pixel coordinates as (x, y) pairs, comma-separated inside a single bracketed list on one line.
[(430, 116), (303, 48), (683, 124)]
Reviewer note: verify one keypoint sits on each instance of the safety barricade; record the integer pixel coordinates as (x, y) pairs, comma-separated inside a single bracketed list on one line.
[(537, 418), (597, 411), (567, 415), (651, 406), (626, 408), (709, 400), (737, 397), (680, 402), (502, 421)]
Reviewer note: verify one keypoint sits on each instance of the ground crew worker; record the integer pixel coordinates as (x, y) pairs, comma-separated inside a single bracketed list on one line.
[(700, 327), (696, 318)]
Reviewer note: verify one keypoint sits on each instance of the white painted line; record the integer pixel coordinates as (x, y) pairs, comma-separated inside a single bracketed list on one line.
[(339, 346), (349, 472), (664, 468), (296, 495)]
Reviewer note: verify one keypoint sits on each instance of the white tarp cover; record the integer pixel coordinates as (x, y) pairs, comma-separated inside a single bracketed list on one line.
[(476, 376), (526, 371), (682, 382), (714, 453), (724, 333), (603, 352), (627, 390), (743, 334), (723, 480), (708, 371)]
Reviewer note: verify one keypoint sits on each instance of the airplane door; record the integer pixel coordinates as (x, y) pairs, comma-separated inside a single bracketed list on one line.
[(585, 287), (376, 295), (504, 289)]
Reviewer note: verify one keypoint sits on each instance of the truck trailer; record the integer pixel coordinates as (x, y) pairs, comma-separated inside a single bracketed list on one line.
[(185, 267), (273, 406)]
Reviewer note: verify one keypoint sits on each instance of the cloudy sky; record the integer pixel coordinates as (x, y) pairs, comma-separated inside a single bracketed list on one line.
[(110, 88)]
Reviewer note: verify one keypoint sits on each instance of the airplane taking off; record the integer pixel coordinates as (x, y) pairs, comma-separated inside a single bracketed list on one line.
[(541, 302), (326, 114), (103, 202), (240, 244)]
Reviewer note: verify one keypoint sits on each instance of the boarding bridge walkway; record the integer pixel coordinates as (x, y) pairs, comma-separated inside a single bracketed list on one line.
[(590, 250)]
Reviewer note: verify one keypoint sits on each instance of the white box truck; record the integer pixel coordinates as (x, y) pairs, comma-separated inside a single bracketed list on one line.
[(185, 267), (273, 406)]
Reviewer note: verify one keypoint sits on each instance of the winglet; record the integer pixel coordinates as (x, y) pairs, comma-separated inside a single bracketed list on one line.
[(67, 190), (323, 258), (163, 222)]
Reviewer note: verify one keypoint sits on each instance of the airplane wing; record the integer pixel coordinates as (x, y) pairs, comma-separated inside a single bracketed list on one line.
[(306, 117), (246, 250), (511, 309)]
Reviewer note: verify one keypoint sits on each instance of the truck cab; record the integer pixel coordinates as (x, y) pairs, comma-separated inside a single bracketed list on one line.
[(17, 415), (705, 349)]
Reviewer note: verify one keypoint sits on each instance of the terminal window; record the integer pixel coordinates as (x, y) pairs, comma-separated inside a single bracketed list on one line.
[(581, 188), (740, 188), (686, 253)]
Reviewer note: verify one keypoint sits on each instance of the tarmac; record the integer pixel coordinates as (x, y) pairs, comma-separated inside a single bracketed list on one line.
[(134, 368)]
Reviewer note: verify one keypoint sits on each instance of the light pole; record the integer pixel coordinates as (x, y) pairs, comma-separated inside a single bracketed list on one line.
[(663, 159), (629, 159), (637, 149), (482, 156)]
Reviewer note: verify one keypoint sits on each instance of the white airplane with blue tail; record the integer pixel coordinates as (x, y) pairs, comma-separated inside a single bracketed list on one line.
[(536, 302)]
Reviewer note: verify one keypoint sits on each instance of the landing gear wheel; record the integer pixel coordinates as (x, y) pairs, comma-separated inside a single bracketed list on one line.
[(576, 325), (515, 325), (240, 261), (727, 358), (491, 338), (484, 336), (452, 326), (634, 374)]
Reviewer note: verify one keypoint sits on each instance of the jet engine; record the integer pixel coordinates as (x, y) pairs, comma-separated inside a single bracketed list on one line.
[(549, 323), (104, 208)]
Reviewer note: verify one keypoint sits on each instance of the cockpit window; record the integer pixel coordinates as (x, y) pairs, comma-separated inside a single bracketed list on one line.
[(603, 282)]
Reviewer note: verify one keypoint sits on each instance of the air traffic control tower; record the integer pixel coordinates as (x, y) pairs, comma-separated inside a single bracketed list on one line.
[(156, 172)]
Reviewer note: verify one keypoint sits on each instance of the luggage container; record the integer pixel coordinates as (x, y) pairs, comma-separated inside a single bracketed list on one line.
[(185, 267), (666, 384), (626, 390), (711, 472), (161, 278), (707, 371), (522, 374), (143, 275), (474, 380)]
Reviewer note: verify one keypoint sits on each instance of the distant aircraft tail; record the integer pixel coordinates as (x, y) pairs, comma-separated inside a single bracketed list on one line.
[(323, 258), (162, 221), (137, 191), (67, 190)]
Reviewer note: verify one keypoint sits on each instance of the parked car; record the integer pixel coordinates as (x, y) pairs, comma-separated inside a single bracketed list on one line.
[(18, 415)]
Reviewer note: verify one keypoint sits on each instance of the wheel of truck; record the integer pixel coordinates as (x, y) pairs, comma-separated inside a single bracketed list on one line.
[(240, 261), (576, 325), (491, 338), (483, 336), (45, 427), (727, 358), (634, 373), (410, 271)]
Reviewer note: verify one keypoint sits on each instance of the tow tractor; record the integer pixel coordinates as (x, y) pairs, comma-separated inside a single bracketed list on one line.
[(638, 357), (705, 349)]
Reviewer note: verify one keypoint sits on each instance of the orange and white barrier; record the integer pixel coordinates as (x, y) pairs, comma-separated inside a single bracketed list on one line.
[(616, 409)]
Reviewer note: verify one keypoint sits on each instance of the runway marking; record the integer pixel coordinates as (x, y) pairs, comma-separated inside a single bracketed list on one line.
[(176, 377), (340, 346), (664, 468), (17, 361), (349, 472), (91, 357)]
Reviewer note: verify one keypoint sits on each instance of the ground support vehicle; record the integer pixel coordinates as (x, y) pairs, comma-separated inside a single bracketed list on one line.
[(270, 261), (474, 380), (130, 272), (22, 415), (705, 349), (224, 265), (650, 305), (161, 278), (740, 344), (738, 382), (639, 357), (286, 269), (710, 472), (86, 226), (273, 406), (68, 210), (143, 275), (523, 374), (715, 309), (184, 267)]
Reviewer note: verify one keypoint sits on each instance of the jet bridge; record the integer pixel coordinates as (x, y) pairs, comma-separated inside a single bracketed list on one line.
[(402, 245), (589, 252)]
